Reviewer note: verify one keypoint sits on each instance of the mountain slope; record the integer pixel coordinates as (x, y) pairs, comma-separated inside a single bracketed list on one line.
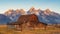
[(4, 19)]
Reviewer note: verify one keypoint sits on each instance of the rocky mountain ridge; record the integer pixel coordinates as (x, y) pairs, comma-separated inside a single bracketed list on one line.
[(46, 16)]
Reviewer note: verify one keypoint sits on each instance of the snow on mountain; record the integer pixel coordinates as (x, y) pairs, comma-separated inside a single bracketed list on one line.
[(14, 14)]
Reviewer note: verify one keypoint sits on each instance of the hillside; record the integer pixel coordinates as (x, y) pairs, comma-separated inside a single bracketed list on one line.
[(4, 19)]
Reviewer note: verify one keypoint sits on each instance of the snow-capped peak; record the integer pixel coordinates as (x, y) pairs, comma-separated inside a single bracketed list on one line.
[(47, 11)]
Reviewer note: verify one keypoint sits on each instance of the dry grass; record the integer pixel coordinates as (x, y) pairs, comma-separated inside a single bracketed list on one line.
[(49, 30)]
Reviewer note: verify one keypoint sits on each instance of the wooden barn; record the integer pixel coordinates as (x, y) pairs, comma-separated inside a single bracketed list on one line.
[(28, 21)]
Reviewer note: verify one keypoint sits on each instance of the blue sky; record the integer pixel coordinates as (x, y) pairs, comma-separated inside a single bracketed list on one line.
[(53, 5)]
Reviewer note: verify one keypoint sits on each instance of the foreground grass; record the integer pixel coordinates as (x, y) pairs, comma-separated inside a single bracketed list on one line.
[(49, 30)]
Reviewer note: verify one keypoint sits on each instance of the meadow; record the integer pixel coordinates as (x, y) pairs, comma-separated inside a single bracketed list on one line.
[(50, 30)]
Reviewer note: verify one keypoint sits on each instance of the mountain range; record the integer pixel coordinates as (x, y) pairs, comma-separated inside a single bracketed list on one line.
[(46, 16)]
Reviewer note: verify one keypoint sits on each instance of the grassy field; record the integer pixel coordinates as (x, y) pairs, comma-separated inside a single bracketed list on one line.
[(49, 30)]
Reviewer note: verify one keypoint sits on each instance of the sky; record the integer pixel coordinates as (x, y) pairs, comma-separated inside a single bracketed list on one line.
[(53, 5)]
